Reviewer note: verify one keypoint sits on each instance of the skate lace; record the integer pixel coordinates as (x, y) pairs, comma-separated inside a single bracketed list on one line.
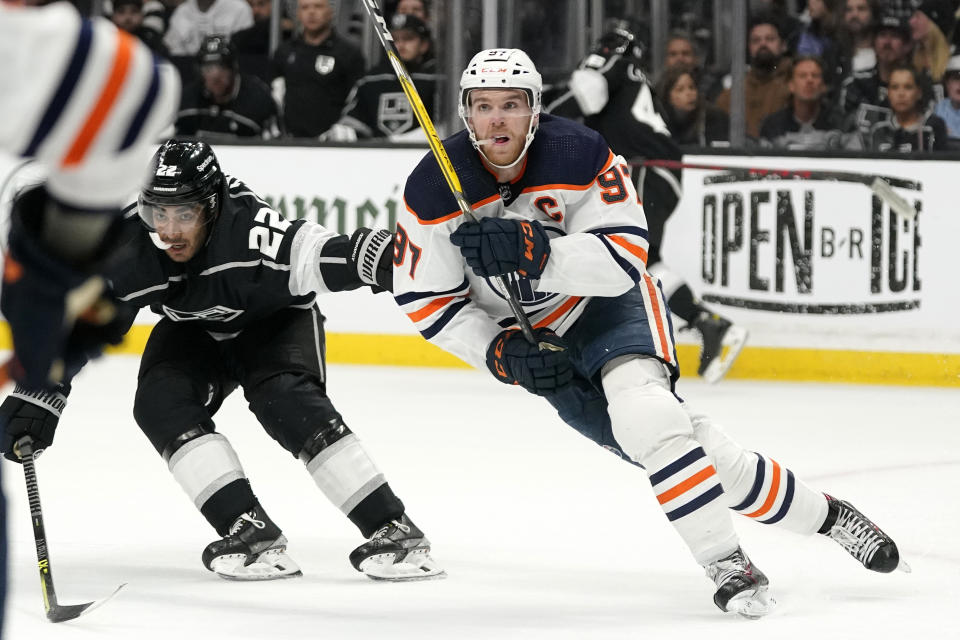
[(726, 568), (856, 535), (246, 517)]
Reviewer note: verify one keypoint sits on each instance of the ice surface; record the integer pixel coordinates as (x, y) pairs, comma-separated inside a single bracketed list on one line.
[(543, 534)]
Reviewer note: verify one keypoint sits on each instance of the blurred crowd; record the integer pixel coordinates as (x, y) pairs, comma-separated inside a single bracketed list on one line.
[(872, 75)]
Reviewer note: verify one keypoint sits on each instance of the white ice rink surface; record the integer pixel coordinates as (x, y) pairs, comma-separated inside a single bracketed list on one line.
[(543, 534)]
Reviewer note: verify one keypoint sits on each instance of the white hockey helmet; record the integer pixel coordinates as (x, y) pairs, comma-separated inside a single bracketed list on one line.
[(502, 69)]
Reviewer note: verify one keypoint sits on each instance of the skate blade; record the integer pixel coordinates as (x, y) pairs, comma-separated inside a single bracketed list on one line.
[(272, 564), (904, 567), (417, 565), (753, 604), (733, 341)]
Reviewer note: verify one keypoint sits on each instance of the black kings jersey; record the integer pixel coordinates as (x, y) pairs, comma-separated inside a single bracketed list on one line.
[(254, 264)]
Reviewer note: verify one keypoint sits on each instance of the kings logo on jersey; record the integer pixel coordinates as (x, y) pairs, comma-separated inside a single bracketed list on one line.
[(324, 64), (393, 113), (218, 313)]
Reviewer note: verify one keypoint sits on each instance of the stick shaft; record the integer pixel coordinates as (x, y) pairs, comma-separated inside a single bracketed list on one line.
[(439, 152), (25, 446)]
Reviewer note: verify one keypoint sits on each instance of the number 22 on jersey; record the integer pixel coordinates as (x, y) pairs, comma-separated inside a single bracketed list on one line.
[(267, 239)]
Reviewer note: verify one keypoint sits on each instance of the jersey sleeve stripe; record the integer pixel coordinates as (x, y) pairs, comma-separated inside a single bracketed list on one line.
[(412, 296), (118, 73), (136, 125), (447, 316), (559, 311), (630, 269), (67, 84), (429, 309), (637, 231), (639, 252), (449, 216)]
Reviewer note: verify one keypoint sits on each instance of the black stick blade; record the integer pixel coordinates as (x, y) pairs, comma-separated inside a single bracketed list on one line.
[(64, 612)]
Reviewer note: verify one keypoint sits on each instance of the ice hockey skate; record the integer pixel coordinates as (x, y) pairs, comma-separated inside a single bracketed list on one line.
[(861, 538), (397, 551), (722, 342), (741, 586), (253, 549)]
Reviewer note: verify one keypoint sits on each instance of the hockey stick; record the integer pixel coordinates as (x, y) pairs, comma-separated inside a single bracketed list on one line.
[(446, 167), (882, 186), (55, 612)]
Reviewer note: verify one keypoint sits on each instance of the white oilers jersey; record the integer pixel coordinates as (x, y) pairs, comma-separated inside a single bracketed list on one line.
[(83, 97), (572, 184)]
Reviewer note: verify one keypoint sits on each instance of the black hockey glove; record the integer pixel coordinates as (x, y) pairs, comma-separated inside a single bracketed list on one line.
[(59, 314), (513, 360), (497, 246), (33, 413), (371, 256)]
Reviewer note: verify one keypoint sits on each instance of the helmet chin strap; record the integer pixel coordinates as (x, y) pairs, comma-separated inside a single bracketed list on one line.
[(478, 145)]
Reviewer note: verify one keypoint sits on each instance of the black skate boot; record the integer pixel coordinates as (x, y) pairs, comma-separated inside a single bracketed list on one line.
[(397, 551), (741, 586), (862, 539), (253, 549), (717, 332)]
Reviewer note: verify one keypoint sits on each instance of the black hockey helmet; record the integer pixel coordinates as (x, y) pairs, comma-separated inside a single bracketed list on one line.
[(217, 49), (182, 172), (622, 37)]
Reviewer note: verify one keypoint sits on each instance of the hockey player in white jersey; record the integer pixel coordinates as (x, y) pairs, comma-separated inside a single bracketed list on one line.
[(88, 101), (560, 219)]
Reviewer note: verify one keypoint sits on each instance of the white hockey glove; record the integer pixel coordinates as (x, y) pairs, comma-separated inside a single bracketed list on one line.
[(589, 88)]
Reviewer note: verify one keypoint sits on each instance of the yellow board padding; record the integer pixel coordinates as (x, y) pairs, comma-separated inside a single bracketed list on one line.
[(754, 363)]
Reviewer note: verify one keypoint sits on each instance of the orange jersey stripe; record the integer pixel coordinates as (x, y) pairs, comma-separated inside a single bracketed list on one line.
[(449, 216), (686, 485), (661, 334), (562, 309), (420, 314), (118, 74), (772, 496), (632, 248)]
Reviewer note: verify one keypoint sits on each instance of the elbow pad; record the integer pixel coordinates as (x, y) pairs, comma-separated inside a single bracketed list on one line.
[(589, 88)]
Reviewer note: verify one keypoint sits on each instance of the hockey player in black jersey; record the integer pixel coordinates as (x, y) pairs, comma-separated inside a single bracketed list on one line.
[(236, 284), (612, 95)]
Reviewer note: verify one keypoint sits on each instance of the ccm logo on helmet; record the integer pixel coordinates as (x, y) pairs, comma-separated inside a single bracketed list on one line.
[(493, 69)]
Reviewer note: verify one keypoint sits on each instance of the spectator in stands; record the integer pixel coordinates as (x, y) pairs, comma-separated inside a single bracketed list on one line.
[(807, 122), (682, 49), (779, 11), (931, 28), (314, 72), (819, 34), (252, 44), (194, 20), (949, 108), (225, 102), (690, 119), (766, 82), (377, 106), (908, 128), (418, 8), (858, 18), (863, 96), (128, 15)]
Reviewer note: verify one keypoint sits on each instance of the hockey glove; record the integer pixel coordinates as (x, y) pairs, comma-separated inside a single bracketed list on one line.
[(497, 246), (33, 413), (542, 371), (59, 314), (371, 257)]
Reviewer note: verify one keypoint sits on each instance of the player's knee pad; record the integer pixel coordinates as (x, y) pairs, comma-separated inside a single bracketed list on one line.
[(202, 462), (645, 415), (289, 406), (735, 465), (165, 403), (339, 465)]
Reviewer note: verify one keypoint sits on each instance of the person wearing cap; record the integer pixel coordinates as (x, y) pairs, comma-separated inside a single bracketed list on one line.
[(949, 107), (863, 96), (225, 102), (314, 72), (128, 15), (377, 106), (931, 27)]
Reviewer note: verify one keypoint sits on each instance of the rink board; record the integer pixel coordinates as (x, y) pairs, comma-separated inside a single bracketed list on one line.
[(830, 283)]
